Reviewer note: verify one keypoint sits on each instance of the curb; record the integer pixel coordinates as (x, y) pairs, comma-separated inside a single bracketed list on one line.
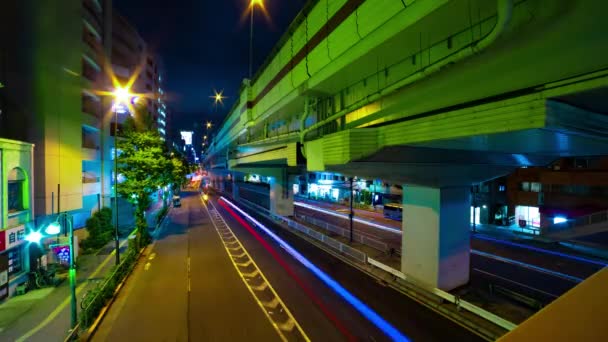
[(88, 335), (93, 328)]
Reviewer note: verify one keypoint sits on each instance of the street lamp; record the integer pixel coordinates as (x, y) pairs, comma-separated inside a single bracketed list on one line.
[(252, 5), (122, 96), (54, 229)]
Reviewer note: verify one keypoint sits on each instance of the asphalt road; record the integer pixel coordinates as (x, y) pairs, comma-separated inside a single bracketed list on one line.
[(155, 304)]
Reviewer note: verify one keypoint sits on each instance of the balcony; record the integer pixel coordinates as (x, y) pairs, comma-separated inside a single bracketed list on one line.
[(91, 106), (92, 16), (92, 46)]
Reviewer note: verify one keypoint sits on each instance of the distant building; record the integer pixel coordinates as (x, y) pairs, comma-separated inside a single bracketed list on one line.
[(536, 197), (130, 55)]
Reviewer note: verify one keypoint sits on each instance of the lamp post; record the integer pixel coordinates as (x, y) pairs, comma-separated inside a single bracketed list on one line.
[(252, 4), (54, 229), (121, 96)]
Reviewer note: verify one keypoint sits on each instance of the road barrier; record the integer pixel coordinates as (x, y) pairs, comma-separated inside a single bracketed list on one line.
[(366, 240)]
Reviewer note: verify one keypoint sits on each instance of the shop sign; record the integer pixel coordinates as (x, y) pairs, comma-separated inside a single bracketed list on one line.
[(12, 237), (63, 253)]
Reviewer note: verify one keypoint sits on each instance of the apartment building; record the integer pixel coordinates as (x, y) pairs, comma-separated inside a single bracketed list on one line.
[(132, 56)]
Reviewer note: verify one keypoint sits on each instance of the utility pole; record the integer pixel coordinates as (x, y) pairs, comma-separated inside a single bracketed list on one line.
[(351, 214)]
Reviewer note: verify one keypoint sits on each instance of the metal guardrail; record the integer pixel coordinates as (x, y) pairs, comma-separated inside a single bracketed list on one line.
[(368, 241), (73, 334), (448, 297), (332, 243)]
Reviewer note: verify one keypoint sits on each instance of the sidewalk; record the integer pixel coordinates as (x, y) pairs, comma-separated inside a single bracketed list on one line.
[(44, 314)]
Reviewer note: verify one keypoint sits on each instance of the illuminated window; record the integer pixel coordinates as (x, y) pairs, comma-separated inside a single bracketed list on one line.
[(536, 187)]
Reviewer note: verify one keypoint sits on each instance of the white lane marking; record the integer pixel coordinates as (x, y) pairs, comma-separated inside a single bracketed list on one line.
[(147, 266)]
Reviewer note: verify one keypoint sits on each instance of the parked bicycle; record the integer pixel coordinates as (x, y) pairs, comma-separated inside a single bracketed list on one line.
[(41, 277)]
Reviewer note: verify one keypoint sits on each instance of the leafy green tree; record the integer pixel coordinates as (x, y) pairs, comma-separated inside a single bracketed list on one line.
[(100, 229), (145, 166), (180, 169)]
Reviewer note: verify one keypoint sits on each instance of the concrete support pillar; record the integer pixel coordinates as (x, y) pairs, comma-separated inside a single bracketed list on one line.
[(436, 241), (281, 194), (235, 187), (222, 186)]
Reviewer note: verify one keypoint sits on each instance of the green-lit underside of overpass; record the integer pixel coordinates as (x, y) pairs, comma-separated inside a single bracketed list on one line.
[(397, 83)]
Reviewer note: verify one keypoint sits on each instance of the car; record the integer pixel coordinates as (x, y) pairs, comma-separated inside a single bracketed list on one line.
[(177, 201)]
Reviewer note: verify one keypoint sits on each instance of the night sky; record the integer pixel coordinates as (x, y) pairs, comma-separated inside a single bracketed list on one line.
[(204, 45)]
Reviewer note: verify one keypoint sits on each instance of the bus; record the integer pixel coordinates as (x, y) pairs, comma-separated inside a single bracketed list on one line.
[(393, 211)]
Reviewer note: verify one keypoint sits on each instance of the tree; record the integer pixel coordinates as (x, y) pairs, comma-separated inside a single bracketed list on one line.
[(179, 171), (145, 166)]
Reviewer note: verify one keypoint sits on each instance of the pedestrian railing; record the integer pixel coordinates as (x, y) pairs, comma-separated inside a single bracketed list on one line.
[(96, 299)]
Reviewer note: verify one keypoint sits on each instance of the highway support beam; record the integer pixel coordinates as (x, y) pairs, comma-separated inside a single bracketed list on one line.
[(281, 193), (435, 240)]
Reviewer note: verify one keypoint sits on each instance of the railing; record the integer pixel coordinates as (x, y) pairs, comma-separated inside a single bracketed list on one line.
[(96, 299), (371, 242), (582, 221)]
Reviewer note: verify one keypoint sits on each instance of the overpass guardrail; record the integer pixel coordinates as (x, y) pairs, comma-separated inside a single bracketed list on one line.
[(362, 258)]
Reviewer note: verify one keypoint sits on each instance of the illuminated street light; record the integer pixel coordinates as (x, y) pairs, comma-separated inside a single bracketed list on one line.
[(54, 229), (252, 4), (208, 124), (34, 237), (218, 97), (205, 137), (122, 96)]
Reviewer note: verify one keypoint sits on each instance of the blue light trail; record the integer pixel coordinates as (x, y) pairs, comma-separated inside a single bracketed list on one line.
[(366, 311)]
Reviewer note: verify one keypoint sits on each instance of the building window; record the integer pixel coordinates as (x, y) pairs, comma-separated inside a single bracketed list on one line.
[(15, 263), (17, 190), (536, 187), (525, 186), (501, 188), (529, 216), (581, 163)]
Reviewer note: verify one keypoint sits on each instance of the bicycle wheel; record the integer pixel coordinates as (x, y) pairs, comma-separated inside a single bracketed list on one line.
[(40, 283)]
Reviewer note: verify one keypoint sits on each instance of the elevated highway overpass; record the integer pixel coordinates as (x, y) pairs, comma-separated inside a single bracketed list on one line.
[(433, 94)]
